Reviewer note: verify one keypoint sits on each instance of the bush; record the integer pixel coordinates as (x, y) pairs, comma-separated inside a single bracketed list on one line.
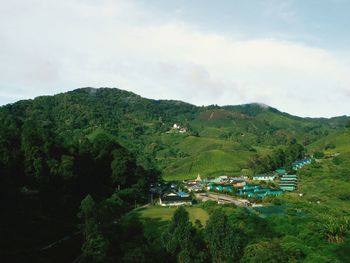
[(337, 160), (330, 146), (319, 155)]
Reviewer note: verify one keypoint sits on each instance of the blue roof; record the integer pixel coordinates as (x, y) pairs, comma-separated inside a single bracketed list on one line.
[(181, 193)]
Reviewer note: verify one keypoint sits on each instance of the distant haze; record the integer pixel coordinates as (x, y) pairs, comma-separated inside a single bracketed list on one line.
[(289, 54)]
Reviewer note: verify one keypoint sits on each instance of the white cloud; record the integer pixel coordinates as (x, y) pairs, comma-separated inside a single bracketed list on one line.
[(49, 47)]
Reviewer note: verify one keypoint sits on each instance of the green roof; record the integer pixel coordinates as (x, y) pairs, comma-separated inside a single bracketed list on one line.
[(280, 171), (288, 188), (288, 179), (289, 176)]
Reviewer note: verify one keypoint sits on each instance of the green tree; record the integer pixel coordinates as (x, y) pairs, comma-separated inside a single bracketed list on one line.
[(95, 245), (181, 239), (319, 155), (224, 241)]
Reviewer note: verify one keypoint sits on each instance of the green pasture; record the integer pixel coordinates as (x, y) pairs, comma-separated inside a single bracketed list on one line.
[(166, 213)]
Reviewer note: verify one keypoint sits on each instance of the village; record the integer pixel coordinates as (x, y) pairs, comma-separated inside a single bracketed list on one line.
[(241, 191)]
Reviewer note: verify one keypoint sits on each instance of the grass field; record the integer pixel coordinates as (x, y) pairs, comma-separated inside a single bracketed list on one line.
[(208, 163), (165, 213)]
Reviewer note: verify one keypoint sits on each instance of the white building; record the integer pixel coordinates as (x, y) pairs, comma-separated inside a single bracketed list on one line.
[(264, 177)]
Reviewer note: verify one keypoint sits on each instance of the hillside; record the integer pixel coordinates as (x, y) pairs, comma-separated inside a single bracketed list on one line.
[(73, 167), (216, 139)]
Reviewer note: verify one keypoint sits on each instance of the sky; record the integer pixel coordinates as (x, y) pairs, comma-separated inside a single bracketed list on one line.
[(289, 54)]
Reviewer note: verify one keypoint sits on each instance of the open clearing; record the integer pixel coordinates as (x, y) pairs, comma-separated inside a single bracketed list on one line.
[(166, 213)]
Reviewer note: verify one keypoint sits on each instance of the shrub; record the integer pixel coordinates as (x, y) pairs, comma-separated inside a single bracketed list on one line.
[(330, 146), (337, 160), (318, 155)]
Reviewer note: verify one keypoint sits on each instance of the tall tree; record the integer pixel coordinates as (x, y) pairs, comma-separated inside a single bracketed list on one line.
[(224, 241), (180, 239)]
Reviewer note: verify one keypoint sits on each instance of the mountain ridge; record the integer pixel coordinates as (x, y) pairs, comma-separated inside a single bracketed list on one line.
[(93, 90), (145, 126)]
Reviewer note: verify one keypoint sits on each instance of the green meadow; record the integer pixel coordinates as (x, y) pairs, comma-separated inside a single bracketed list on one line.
[(166, 213)]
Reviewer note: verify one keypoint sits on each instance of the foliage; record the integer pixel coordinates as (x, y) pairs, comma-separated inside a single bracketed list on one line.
[(335, 229), (319, 155), (263, 251), (224, 241), (279, 158), (95, 152), (180, 239)]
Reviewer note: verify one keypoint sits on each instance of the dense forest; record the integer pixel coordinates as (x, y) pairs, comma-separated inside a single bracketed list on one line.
[(74, 166)]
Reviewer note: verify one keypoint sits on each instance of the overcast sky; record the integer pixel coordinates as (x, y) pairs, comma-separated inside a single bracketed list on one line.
[(292, 55)]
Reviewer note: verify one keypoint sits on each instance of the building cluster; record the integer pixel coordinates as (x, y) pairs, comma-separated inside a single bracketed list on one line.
[(222, 183), (241, 186), (178, 128), (288, 182), (258, 192), (301, 163)]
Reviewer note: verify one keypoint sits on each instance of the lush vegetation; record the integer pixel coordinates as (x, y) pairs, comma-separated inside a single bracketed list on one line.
[(278, 158), (243, 235), (74, 166)]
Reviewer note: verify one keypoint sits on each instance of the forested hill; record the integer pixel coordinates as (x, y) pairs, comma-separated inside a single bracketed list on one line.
[(144, 127), (95, 153)]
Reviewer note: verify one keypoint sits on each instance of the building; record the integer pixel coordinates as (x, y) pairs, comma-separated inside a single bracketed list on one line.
[(221, 188), (195, 188), (288, 182), (256, 191), (281, 171), (264, 177), (301, 163), (182, 194), (174, 199), (241, 184)]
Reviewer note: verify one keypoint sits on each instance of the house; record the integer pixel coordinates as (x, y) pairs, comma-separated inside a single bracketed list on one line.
[(183, 130), (256, 191), (299, 164), (238, 179), (182, 194), (288, 182), (221, 188), (215, 187), (280, 171), (250, 187), (223, 178), (241, 184), (195, 188), (264, 177), (174, 200)]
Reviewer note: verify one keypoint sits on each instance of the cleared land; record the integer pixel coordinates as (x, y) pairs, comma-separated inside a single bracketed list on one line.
[(165, 213)]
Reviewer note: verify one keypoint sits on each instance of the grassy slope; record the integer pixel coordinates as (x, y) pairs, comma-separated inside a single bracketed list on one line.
[(340, 139), (328, 181), (226, 136), (202, 155)]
